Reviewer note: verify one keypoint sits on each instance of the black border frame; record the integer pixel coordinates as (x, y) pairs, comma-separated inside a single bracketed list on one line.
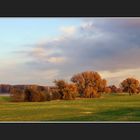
[(71, 8), (69, 130)]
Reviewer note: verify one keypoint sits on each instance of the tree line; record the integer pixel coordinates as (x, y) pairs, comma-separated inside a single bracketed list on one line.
[(88, 84)]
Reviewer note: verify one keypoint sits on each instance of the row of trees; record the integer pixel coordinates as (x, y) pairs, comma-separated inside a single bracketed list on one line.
[(87, 84)]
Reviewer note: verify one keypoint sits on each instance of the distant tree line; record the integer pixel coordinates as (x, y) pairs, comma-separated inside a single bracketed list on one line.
[(4, 88), (87, 84)]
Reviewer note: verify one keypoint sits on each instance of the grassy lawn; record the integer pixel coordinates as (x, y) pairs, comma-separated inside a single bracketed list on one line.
[(106, 108)]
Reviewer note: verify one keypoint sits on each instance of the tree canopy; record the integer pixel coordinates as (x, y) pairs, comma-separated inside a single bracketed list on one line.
[(130, 85), (89, 84)]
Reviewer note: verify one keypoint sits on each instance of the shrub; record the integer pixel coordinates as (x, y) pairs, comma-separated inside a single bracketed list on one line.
[(113, 88), (70, 92), (32, 95), (64, 90), (107, 90), (55, 94), (29, 94), (48, 94), (17, 95)]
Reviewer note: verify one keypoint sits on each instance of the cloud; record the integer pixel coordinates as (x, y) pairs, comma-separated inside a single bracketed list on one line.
[(119, 76), (104, 44), (70, 30), (56, 59), (20, 74)]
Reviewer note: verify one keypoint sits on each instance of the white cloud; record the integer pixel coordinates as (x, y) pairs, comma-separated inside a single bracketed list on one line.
[(104, 45), (117, 77), (56, 59), (70, 30)]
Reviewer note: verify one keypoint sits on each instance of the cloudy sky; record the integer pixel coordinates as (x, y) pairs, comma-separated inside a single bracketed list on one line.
[(40, 50)]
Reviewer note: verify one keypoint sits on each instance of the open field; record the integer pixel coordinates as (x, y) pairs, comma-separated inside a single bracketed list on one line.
[(106, 108)]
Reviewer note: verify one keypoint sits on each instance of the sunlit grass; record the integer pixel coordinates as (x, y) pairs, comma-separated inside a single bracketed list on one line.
[(106, 108)]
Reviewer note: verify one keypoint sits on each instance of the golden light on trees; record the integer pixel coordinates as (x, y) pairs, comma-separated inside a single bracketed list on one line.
[(130, 85), (67, 91), (89, 84)]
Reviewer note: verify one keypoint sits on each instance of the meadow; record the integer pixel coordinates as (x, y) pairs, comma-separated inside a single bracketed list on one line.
[(107, 108)]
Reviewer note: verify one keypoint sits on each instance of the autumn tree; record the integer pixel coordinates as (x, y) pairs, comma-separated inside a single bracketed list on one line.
[(66, 91), (70, 92), (60, 84), (55, 95), (107, 90), (17, 95), (29, 94), (138, 90), (130, 85), (89, 84), (102, 85), (119, 90), (33, 94), (113, 89)]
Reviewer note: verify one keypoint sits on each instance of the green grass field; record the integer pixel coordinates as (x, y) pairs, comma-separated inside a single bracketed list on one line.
[(106, 108)]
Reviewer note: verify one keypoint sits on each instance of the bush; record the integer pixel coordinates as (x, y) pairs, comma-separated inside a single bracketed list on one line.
[(107, 90), (48, 94), (48, 97), (64, 90), (90, 92), (55, 94), (17, 95), (70, 92), (32, 95)]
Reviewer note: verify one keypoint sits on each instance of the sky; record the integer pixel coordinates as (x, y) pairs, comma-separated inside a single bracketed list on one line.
[(41, 50)]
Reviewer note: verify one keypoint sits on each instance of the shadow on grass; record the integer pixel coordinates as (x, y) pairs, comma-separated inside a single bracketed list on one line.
[(119, 114)]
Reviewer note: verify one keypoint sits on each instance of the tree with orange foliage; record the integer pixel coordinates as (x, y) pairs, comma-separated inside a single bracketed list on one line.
[(130, 85), (113, 89), (30, 94), (34, 95), (66, 91), (17, 95), (70, 92), (107, 90), (89, 84)]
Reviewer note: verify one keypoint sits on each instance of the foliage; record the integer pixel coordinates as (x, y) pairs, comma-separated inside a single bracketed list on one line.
[(33, 95), (70, 92), (89, 84), (30, 94), (17, 95), (130, 85), (55, 94), (107, 90), (65, 90), (113, 89)]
